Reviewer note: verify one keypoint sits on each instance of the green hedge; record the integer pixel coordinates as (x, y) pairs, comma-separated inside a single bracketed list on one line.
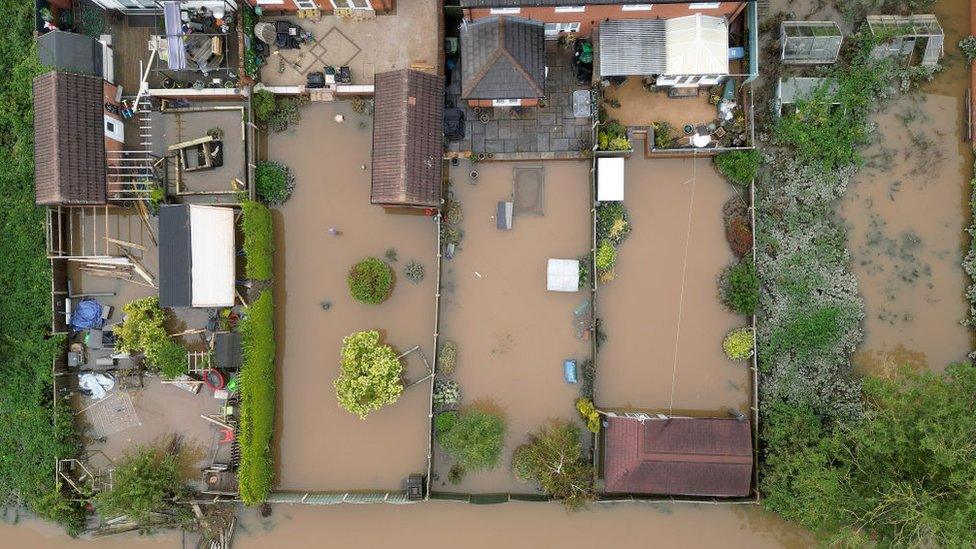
[(258, 241), (257, 393), (33, 436)]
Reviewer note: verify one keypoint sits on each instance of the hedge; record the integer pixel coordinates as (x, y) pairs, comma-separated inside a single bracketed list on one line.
[(258, 241), (257, 400)]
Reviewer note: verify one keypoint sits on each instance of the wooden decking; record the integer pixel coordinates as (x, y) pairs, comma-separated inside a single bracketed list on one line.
[(131, 45)]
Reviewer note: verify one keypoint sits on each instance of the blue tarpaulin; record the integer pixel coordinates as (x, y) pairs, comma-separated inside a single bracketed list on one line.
[(88, 314)]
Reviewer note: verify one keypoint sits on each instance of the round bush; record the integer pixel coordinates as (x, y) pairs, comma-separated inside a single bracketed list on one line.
[(739, 288), (738, 343), (606, 256), (444, 421), (370, 281), (273, 183), (739, 235)]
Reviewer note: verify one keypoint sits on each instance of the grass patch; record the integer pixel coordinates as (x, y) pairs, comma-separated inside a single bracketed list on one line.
[(258, 241), (256, 473)]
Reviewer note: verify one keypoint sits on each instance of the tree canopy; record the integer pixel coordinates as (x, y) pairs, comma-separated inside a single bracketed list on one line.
[(475, 440), (370, 374), (553, 459), (146, 487)]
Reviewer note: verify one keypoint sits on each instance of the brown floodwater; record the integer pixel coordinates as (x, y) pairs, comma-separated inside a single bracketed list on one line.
[(906, 214), (512, 334), (321, 446), (661, 313)]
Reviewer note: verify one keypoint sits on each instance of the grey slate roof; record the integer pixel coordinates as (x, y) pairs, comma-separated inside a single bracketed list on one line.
[(70, 52), (503, 58), (633, 47), (543, 3), (175, 286)]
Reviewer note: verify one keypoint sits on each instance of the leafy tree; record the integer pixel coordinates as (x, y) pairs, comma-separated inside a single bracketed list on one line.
[(475, 440), (553, 460), (143, 331), (370, 374), (273, 182), (739, 167), (902, 476), (264, 103), (147, 483), (370, 281), (739, 288)]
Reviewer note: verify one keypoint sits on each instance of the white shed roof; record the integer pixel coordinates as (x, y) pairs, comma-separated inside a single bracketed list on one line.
[(562, 275), (212, 256), (610, 179), (697, 44)]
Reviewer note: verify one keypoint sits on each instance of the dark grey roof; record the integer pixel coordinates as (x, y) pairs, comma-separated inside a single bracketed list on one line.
[(175, 262), (631, 47), (70, 52), (531, 3), (503, 58), (69, 139)]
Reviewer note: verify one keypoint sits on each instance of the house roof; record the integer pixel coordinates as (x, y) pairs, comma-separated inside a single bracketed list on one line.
[(69, 139), (697, 44), (70, 52), (689, 45), (632, 47), (408, 131), (678, 457), (503, 58), (531, 3)]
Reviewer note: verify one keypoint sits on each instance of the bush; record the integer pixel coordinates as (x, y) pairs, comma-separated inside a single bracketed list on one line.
[(286, 114), (738, 344), (612, 137), (142, 331), (586, 409), (739, 235), (553, 460), (612, 222), (606, 256), (255, 476), (445, 421), (739, 167), (273, 183), (447, 393), (172, 360), (258, 240), (146, 484), (588, 375), (968, 48), (663, 134), (475, 441), (370, 281), (264, 104), (369, 375), (447, 358), (414, 271), (739, 288), (584, 271)]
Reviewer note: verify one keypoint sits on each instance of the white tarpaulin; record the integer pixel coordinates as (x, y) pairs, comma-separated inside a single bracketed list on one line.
[(610, 179), (562, 275), (697, 44), (212, 256)]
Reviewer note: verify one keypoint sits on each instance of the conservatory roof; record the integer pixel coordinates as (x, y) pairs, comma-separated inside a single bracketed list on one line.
[(697, 44), (690, 45)]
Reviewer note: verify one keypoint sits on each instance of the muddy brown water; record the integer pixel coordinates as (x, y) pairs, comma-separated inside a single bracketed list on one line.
[(906, 213)]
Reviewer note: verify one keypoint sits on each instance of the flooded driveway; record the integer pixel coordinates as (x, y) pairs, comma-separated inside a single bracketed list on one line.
[(322, 446), (661, 314), (512, 334)]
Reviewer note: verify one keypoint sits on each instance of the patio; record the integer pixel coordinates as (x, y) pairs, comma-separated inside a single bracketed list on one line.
[(512, 334), (552, 132), (639, 107), (663, 319), (411, 36)]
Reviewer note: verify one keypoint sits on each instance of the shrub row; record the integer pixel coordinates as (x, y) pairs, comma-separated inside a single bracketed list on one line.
[(257, 400), (258, 240)]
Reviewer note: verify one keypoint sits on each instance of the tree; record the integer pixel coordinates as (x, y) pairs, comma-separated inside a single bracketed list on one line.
[(553, 459), (475, 440), (146, 488), (739, 287), (370, 281), (739, 167), (370, 374), (902, 476)]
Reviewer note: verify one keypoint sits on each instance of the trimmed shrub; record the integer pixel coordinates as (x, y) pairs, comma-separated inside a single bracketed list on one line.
[(264, 103), (738, 344), (369, 377), (447, 358), (739, 287), (475, 441), (258, 240), (447, 393), (370, 281), (255, 476), (273, 182), (739, 167), (286, 114), (606, 256), (739, 235)]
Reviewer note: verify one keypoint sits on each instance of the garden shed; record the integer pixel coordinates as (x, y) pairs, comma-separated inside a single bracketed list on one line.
[(610, 179), (809, 42), (917, 39), (791, 90), (677, 456), (503, 62), (196, 256)]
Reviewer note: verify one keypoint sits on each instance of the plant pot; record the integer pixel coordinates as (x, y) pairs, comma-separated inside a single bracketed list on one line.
[(485, 118), (473, 174), (477, 110), (490, 155), (482, 157)]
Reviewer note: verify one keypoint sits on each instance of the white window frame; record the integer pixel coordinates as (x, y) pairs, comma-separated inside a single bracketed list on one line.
[(505, 11), (704, 5), (306, 4), (636, 7), (554, 29), (270, 2), (506, 102), (569, 9), (348, 4)]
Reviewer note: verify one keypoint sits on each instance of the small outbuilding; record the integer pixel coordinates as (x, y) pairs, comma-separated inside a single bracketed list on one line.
[(196, 256), (809, 42), (610, 179), (677, 456), (503, 62), (915, 39), (408, 134), (789, 91)]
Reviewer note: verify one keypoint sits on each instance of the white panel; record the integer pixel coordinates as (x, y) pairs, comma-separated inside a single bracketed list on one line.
[(610, 179), (562, 275), (212, 256), (697, 44)]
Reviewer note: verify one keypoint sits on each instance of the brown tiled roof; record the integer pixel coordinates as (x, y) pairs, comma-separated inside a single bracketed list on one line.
[(408, 134), (69, 139), (678, 457)]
